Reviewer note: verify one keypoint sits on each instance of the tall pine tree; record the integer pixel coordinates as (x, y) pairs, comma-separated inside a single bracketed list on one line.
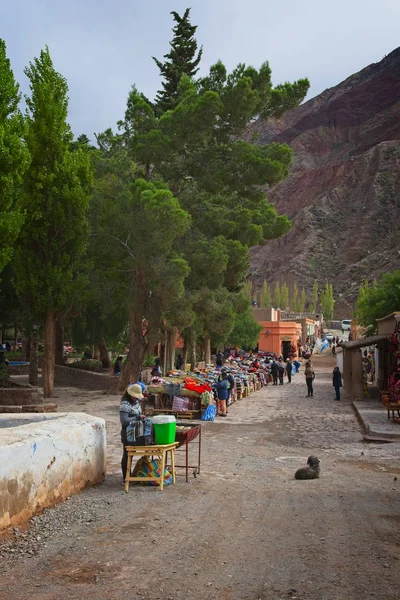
[(55, 200), (180, 60), (14, 157)]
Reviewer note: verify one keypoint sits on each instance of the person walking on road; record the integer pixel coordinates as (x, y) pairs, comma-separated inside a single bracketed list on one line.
[(337, 381), (309, 373), (289, 367)]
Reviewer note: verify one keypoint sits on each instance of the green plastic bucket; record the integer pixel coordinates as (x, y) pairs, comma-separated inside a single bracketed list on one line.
[(164, 429)]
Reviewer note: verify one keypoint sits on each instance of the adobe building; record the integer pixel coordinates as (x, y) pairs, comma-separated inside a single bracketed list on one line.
[(276, 335)]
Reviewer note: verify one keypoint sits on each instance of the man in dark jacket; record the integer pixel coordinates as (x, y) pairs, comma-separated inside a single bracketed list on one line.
[(289, 370), (337, 381), (274, 372)]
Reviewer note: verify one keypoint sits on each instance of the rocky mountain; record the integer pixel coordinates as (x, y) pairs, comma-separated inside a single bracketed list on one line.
[(343, 191)]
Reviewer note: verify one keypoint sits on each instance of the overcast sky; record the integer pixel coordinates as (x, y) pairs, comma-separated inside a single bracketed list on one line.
[(102, 47)]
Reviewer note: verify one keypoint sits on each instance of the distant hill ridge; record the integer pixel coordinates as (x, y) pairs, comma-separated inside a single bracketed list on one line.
[(343, 192)]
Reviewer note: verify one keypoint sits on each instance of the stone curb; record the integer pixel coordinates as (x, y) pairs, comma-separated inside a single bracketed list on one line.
[(371, 434)]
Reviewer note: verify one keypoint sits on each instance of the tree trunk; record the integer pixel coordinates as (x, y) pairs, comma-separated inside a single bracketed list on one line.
[(164, 365), (104, 355), (49, 356), (33, 359), (185, 353), (207, 350), (26, 347), (193, 350), (15, 338), (138, 347), (96, 352), (171, 347), (161, 355), (59, 342)]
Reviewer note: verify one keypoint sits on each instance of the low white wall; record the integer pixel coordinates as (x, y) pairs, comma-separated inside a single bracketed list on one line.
[(45, 458)]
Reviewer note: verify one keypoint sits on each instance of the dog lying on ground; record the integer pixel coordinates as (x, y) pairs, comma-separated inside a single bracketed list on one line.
[(309, 472)]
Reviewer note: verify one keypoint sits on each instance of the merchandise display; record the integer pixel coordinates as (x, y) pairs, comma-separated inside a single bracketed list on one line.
[(188, 395)]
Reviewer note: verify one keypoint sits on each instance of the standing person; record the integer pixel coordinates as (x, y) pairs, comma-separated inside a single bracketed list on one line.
[(130, 411), (222, 393), (231, 385), (156, 370), (337, 381), (309, 373), (289, 367), (179, 362), (281, 371), (219, 359), (274, 372), (118, 365)]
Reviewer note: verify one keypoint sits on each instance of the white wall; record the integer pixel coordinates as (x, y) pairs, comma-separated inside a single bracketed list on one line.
[(47, 460)]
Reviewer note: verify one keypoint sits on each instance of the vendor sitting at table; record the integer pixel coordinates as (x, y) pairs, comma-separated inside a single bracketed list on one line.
[(130, 412)]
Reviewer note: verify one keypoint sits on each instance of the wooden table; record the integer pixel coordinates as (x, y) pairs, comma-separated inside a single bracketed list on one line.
[(184, 437), (156, 450)]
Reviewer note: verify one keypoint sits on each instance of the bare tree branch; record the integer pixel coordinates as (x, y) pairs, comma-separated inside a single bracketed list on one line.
[(113, 237)]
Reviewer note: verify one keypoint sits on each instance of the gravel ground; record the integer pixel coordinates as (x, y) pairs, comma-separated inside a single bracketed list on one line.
[(243, 529)]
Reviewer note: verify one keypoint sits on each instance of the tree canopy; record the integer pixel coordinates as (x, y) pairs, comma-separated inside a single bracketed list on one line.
[(180, 60), (55, 200), (178, 199), (379, 300), (327, 301), (14, 159)]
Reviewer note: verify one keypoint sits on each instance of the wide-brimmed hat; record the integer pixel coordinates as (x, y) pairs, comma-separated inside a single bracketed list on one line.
[(135, 391)]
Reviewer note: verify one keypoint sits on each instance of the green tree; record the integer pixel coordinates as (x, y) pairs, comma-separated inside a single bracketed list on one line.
[(284, 296), (314, 298), (277, 295), (136, 224), (364, 289), (216, 176), (182, 59), (302, 301), (245, 332), (14, 159), (379, 300), (265, 296), (55, 201), (327, 302), (294, 301)]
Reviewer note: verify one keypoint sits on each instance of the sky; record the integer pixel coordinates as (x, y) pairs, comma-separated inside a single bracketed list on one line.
[(102, 47)]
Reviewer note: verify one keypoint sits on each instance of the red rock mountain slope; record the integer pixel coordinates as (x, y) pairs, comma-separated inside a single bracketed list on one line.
[(343, 192)]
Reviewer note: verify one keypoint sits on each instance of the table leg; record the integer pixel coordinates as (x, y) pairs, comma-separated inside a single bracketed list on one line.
[(173, 466), (187, 460), (162, 470), (198, 470), (128, 472)]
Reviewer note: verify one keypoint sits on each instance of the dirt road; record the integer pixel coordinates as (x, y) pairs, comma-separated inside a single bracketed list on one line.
[(244, 529)]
